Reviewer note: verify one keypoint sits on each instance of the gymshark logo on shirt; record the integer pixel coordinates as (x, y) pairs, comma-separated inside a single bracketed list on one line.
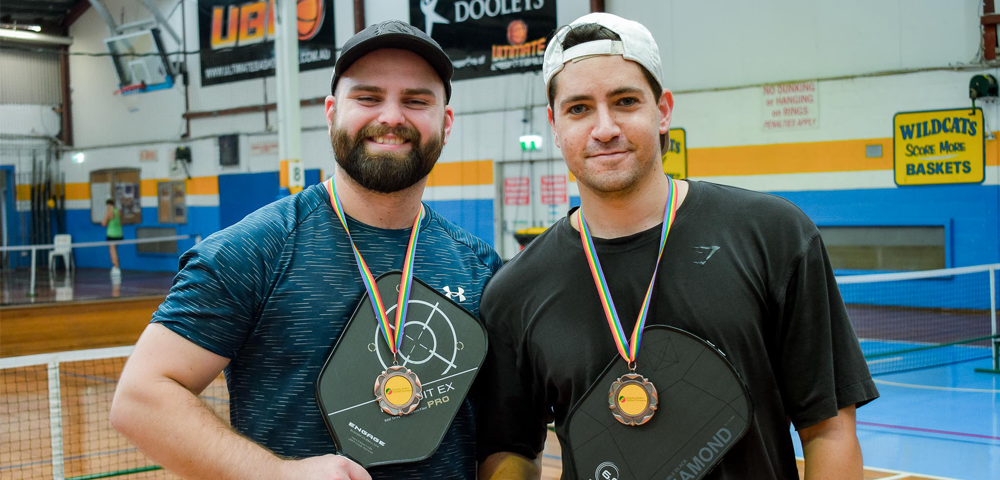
[(460, 294), (430, 16), (707, 251)]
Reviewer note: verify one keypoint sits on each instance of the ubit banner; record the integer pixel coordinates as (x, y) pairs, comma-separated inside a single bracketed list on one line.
[(938, 147), (237, 38), (488, 37)]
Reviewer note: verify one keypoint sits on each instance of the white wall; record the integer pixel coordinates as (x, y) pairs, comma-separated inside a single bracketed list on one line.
[(30, 120), (730, 43), (733, 46)]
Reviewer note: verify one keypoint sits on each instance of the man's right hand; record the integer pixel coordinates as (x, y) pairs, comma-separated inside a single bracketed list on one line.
[(326, 467)]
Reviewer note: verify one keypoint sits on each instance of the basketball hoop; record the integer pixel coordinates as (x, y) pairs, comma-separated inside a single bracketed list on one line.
[(129, 97)]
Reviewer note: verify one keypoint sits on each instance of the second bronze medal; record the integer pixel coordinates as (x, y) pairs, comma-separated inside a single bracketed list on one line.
[(632, 398)]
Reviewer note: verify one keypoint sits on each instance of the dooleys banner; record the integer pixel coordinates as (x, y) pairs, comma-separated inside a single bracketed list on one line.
[(237, 38), (939, 147), (488, 37), (675, 160)]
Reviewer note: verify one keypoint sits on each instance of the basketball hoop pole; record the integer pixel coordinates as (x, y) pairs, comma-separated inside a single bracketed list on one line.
[(286, 56)]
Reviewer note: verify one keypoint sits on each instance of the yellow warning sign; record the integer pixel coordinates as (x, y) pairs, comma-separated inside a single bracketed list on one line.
[(939, 147), (675, 161)]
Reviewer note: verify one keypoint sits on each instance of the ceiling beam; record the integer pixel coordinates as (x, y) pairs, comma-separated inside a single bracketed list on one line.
[(78, 9)]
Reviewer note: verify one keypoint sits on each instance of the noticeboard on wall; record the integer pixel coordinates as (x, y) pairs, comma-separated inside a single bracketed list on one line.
[(939, 147), (121, 185)]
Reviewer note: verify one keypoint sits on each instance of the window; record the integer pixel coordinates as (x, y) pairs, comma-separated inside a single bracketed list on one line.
[(885, 248), (120, 184), (170, 204)]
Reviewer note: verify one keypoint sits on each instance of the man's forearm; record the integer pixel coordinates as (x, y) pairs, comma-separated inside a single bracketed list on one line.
[(831, 448), (180, 432), (833, 460)]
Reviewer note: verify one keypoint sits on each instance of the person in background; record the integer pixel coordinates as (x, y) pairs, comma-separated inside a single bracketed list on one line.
[(113, 222)]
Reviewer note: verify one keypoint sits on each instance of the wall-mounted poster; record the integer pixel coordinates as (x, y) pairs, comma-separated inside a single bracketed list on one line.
[(488, 37)]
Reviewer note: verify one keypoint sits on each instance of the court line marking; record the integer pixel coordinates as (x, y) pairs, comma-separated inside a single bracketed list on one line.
[(932, 387), (928, 430)]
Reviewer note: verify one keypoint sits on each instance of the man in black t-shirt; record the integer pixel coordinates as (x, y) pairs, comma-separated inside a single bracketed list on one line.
[(744, 270)]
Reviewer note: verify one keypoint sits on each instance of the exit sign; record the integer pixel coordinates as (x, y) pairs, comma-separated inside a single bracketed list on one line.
[(531, 143)]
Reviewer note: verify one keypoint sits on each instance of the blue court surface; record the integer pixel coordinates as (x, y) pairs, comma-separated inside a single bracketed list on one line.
[(941, 421)]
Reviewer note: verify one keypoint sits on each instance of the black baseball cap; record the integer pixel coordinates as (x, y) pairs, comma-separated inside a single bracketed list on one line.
[(394, 34)]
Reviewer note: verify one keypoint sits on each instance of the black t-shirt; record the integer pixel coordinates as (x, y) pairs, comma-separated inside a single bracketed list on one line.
[(744, 270)]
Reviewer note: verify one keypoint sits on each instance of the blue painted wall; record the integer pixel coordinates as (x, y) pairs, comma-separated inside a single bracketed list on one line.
[(201, 220), (15, 258), (969, 213), (243, 193), (474, 216)]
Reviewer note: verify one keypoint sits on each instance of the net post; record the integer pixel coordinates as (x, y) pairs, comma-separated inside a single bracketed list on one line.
[(995, 342), (31, 288), (55, 422)]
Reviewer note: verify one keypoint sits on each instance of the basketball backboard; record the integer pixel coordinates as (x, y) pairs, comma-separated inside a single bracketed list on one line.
[(140, 61)]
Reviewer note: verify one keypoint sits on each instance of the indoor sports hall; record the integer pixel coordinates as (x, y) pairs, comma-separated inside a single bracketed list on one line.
[(132, 130)]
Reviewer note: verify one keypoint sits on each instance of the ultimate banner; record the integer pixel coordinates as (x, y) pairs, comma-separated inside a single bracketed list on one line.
[(488, 37), (237, 38)]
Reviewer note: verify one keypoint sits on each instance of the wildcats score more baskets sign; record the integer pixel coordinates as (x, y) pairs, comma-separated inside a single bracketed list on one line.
[(237, 38), (488, 37), (939, 147)]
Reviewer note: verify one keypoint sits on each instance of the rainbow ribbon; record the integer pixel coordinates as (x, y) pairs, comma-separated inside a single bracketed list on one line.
[(393, 336), (626, 348)]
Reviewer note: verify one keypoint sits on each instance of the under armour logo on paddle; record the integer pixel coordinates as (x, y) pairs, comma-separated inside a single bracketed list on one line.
[(460, 294)]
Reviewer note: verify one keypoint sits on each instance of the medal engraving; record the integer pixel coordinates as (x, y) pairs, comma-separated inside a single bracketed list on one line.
[(398, 391), (633, 399)]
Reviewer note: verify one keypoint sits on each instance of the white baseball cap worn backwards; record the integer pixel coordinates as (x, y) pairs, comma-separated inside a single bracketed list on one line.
[(636, 44)]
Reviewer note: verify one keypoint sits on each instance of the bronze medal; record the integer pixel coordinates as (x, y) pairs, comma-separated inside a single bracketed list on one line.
[(633, 399), (397, 388), (398, 391)]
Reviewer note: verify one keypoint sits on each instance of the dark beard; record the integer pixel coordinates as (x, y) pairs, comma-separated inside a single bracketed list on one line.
[(385, 172)]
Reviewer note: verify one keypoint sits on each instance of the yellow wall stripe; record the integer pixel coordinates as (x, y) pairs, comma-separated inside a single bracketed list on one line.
[(839, 156), (81, 190), (782, 158), (812, 157), (475, 172), (202, 186), (77, 191), (147, 188)]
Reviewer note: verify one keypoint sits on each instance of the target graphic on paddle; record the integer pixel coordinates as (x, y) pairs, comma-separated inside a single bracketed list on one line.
[(442, 343), (429, 339)]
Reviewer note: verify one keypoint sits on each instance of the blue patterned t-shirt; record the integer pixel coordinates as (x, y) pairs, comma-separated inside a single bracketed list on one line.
[(273, 292)]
